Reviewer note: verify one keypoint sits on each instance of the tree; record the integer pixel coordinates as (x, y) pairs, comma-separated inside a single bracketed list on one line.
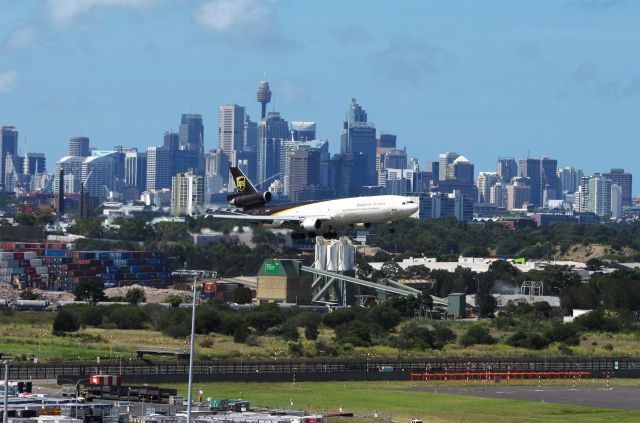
[(594, 264), (242, 295), (24, 219), (135, 296), (65, 322), (90, 290), (91, 228), (487, 305)]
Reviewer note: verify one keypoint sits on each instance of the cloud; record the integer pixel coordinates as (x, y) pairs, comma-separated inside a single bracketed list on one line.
[(596, 5), (529, 51), (292, 91), (249, 24), (410, 60), (587, 79), (355, 36), (20, 37), (64, 12), (7, 81)]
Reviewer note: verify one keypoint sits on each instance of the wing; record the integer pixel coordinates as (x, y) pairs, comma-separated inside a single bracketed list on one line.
[(277, 221), (255, 219)]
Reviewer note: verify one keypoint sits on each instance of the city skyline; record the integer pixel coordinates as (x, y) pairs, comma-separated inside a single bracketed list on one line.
[(555, 83)]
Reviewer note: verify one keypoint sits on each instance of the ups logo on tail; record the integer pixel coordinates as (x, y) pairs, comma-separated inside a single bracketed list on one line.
[(241, 183)]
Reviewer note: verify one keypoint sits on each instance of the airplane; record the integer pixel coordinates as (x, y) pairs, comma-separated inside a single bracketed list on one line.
[(312, 216)]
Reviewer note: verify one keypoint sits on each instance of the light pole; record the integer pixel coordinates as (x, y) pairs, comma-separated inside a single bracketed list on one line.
[(5, 414), (191, 350)]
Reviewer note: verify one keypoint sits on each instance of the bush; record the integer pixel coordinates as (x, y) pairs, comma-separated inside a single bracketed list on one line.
[(339, 317), (564, 332), (135, 296), (528, 340), (416, 337), (385, 316), (476, 334), (127, 317), (241, 333), (356, 332), (289, 331), (65, 322)]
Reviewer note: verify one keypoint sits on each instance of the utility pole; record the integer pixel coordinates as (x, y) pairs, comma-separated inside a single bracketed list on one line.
[(5, 414), (191, 350)]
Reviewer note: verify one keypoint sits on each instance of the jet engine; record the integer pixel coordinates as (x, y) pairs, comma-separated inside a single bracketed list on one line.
[(250, 200), (310, 224), (363, 225)]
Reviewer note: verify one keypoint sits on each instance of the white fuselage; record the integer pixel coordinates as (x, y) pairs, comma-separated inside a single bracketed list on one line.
[(353, 211)]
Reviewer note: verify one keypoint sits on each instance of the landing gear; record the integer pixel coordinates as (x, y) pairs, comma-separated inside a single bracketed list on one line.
[(392, 230), (311, 235), (330, 235)]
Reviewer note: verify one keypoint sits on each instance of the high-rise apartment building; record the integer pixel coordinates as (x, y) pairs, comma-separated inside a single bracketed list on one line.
[(625, 181), (530, 168), (79, 146), (231, 124), (358, 136), (599, 195), (187, 192), (616, 201), (569, 180), (8, 146)]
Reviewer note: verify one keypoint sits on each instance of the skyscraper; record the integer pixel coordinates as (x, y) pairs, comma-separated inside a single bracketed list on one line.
[(135, 169), (599, 195), (549, 178), (273, 132), (359, 137), (569, 180), (8, 146), (231, 128), (461, 169), (79, 146), (518, 192), (625, 181), (484, 183), (306, 164), (346, 180), (507, 168), (250, 134), (158, 168), (444, 160), (192, 139), (530, 168)]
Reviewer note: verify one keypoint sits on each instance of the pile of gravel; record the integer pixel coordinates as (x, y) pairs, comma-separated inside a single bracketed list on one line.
[(153, 295)]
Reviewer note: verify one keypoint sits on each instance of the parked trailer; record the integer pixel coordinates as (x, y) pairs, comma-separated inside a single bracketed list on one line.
[(37, 305), (151, 394)]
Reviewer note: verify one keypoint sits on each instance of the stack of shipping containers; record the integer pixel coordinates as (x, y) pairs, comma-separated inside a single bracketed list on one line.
[(52, 266)]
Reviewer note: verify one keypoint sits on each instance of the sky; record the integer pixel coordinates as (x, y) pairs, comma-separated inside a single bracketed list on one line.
[(487, 79)]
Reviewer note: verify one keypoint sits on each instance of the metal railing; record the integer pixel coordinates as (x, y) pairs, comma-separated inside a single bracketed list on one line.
[(20, 370)]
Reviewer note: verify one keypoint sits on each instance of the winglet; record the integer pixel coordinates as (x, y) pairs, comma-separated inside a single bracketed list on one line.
[(243, 184)]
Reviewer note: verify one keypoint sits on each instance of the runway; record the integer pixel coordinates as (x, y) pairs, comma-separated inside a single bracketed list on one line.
[(617, 396)]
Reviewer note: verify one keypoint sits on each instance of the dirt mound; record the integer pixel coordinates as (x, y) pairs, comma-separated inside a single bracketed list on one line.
[(153, 295), (8, 292), (582, 253)]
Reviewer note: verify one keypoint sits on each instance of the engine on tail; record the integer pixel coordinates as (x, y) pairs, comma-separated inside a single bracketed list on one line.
[(250, 200), (311, 224)]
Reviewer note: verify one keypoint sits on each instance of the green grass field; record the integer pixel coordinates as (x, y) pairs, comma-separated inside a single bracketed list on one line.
[(395, 401)]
